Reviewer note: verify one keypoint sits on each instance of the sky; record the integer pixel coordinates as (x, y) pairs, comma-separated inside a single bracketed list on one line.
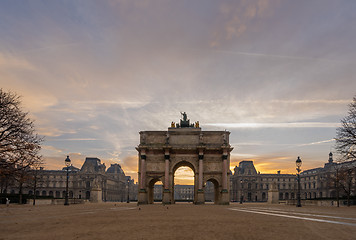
[(277, 74)]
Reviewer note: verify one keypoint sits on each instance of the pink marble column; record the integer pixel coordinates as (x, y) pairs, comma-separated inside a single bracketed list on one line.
[(200, 180), (166, 170), (224, 172), (143, 170), (224, 176)]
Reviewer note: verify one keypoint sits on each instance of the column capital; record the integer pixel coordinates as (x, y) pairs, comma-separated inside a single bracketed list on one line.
[(166, 150)]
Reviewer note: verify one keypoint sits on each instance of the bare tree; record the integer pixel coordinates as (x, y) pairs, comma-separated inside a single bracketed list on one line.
[(346, 134), (346, 176), (35, 176), (346, 147), (19, 144)]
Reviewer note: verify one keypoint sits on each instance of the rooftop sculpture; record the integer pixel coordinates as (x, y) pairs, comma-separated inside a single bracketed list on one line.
[(185, 122)]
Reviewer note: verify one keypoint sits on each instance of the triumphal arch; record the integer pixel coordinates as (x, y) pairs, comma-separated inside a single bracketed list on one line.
[(161, 153)]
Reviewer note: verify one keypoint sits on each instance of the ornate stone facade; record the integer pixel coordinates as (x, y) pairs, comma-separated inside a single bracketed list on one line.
[(250, 185), (321, 182), (91, 182), (161, 153)]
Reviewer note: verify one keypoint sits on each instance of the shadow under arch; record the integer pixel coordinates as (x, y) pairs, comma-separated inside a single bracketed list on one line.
[(151, 185), (174, 169), (215, 189)]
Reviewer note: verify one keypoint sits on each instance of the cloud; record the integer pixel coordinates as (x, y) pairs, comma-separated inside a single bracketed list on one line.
[(56, 161), (12, 62), (276, 125), (236, 17), (318, 142)]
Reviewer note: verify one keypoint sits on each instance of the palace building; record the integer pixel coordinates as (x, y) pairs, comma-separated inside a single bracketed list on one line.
[(319, 183), (91, 182)]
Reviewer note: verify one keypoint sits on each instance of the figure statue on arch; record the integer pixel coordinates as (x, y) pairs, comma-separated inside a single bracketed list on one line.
[(184, 116)]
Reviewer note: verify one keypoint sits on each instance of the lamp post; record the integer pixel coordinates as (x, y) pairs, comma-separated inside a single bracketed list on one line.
[(67, 162), (241, 197), (298, 162), (128, 190)]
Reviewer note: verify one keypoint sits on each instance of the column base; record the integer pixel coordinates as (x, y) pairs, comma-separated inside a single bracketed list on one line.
[(200, 197), (225, 197), (166, 197), (142, 197)]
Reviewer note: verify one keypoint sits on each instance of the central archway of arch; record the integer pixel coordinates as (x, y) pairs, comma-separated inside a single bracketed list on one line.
[(184, 184)]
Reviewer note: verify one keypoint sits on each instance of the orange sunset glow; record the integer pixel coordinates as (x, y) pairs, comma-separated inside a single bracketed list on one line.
[(92, 74)]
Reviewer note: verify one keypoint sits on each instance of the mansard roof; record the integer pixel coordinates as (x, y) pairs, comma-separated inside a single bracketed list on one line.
[(115, 168), (93, 165)]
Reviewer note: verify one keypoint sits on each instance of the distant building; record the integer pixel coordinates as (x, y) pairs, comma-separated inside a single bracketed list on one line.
[(181, 192), (253, 186), (110, 184), (321, 182)]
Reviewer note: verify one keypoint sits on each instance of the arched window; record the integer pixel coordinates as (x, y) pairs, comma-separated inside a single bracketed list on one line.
[(44, 193)]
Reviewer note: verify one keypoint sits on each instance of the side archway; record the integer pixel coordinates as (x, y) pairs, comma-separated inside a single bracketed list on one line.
[(211, 190), (151, 190)]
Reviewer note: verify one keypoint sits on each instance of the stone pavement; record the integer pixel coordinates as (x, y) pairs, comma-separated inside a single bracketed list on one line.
[(179, 221)]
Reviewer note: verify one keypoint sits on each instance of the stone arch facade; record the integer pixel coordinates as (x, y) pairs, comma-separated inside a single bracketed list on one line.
[(161, 153)]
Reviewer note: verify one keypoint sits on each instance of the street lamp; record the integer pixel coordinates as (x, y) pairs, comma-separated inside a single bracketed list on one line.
[(67, 162), (298, 162), (241, 197), (128, 190)]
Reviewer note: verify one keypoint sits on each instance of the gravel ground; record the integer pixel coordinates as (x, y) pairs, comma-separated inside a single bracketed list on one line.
[(179, 221)]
